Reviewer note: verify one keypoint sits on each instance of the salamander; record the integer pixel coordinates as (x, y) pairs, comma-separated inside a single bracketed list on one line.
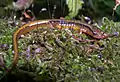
[(56, 23)]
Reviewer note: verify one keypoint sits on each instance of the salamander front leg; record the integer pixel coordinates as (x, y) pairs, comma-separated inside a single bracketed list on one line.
[(51, 26)]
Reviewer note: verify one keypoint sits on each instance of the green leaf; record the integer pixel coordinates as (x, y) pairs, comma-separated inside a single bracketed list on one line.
[(74, 6)]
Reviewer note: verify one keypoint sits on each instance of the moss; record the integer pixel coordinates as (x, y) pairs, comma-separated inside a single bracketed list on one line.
[(54, 55)]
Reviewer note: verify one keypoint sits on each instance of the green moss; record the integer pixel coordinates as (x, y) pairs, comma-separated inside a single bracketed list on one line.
[(60, 57), (6, 35)]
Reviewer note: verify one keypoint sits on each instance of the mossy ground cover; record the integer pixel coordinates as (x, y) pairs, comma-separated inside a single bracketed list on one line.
[(54, 55)]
